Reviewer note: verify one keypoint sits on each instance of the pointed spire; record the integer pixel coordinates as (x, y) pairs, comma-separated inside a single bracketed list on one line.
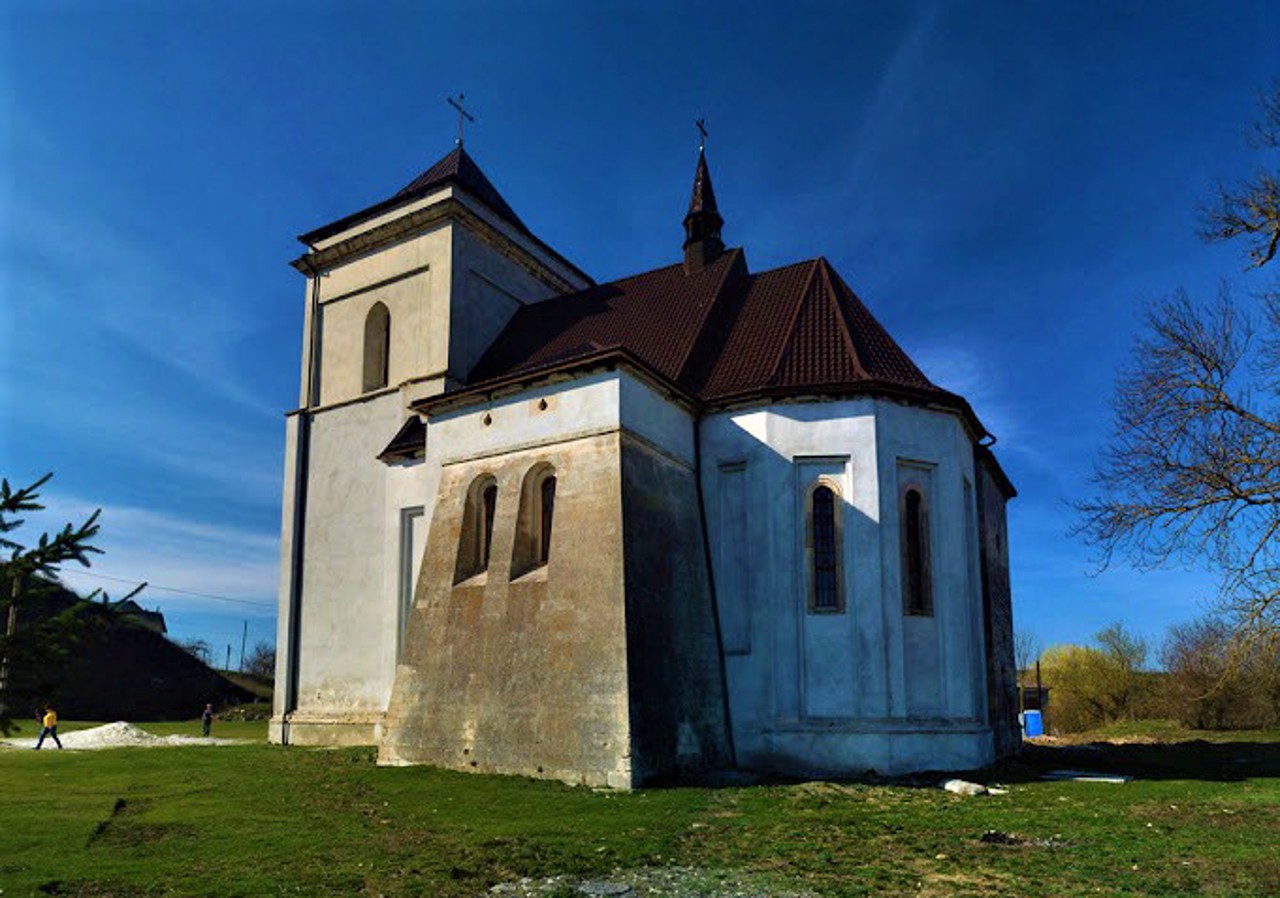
[(702, 223)]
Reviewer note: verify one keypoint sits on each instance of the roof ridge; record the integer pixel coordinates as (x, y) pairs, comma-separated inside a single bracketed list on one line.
[(881, 331), (846, 331), (731, 258), (795, 318), (796, 264), (456, 167)]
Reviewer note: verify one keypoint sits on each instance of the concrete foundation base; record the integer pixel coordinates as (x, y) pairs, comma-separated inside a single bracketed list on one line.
[(325, 731), (841, 749)]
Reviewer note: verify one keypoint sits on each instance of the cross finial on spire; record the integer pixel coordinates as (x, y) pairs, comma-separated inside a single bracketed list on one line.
[(462, 113), (702, 132)]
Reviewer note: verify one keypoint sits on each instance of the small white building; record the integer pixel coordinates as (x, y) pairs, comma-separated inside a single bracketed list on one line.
[(618, 533)]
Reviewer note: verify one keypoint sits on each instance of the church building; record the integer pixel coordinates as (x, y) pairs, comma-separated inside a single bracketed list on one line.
[(622, 533)]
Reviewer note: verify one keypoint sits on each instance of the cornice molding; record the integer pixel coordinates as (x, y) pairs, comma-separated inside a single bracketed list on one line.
[(449, 210)]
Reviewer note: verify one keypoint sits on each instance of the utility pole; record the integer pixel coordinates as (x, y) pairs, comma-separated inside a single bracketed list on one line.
[(228, 665), (1040, 695), (244, 635)]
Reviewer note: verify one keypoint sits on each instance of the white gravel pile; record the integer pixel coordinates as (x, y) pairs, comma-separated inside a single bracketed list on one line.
[(117, 735)]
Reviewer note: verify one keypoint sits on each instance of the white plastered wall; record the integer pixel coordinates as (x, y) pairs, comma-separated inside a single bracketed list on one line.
[(349, 609), (816, 693), (490, 287), (449, 293), (412, 279), (584, 406)]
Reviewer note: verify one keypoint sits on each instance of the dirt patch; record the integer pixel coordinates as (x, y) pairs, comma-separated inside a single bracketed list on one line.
[(1013, 840), (673, 882)]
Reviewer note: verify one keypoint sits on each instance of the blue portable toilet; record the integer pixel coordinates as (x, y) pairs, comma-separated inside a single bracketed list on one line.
[(1032, 724)]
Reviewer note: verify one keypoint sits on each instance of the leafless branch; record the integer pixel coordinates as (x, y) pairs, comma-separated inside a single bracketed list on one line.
[(1192, 472), (1251, 209)]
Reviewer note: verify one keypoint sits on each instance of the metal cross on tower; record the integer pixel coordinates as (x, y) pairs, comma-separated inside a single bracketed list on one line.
[(702, 131), (462, 113)]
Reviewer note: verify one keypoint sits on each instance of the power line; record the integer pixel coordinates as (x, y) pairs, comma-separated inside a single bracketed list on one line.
[(185, 592)]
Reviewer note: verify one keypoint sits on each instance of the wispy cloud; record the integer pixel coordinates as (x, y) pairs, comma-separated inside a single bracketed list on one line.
[(964, 371), (154, 437), (891, 107), (186, 553), (89, 265), (131, 291)]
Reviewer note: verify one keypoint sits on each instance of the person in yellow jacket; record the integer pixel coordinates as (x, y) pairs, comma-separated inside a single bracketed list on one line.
[(49, 727)]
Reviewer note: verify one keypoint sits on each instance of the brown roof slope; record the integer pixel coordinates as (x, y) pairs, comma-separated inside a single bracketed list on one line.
[(879, 354), (755, 333), (455, 168), (802, 327), (460, 168), (721, 334), (657, 316)]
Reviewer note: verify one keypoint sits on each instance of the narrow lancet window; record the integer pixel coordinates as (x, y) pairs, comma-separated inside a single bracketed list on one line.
[(490, 506), (377, 347), (826, 593), (823, 541), (533, 528), (548, 507), (916, 581), (477, 528)]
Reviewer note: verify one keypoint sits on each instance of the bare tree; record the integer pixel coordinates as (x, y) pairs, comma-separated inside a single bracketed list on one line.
[(1026, 649), (1192, 471), (1213, 684), (197, 648), (262, 661), (1026, 652), (1251, 210)]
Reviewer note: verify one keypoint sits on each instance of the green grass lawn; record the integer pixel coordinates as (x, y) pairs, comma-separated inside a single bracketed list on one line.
[(255, 819)]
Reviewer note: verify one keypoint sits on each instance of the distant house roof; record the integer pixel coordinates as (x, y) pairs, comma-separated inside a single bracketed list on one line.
[(152, 620), (455, 168)]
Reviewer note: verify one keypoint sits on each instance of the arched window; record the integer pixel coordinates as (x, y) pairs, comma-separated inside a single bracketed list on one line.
[(917, 585), (545, 514), (377, 347), (477, 528), (826, 592), (533, 527)]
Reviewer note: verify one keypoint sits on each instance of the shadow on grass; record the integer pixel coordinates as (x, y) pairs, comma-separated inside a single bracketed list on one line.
[(1194, 759)]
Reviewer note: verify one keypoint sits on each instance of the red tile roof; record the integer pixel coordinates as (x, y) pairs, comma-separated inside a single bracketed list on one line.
[(801, 327), (720, 335), (657, 316)]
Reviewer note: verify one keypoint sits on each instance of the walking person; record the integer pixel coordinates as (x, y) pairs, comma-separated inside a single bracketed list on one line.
[(49, 727), (206, 719)]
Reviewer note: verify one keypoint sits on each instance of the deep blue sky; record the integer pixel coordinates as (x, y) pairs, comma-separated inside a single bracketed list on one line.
[(1003, 184)]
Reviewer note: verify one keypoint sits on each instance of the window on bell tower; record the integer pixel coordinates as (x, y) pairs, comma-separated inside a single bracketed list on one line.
[(377, 347)]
